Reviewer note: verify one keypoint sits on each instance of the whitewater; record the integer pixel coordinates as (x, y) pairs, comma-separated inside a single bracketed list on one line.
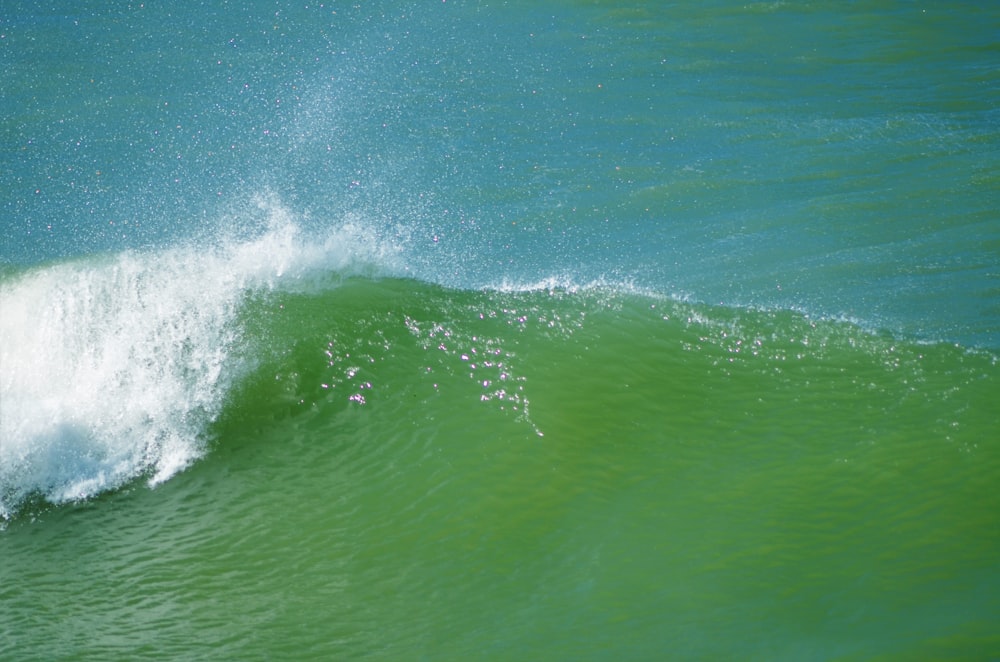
[(113, 365)]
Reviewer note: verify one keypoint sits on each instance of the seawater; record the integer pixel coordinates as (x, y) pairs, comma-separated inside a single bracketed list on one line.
[(499, 331)]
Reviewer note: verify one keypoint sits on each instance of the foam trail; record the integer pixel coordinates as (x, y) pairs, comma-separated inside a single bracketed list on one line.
[(110, 369)]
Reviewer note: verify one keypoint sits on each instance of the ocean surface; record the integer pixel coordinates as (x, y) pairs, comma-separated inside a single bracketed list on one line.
[(464, 330)]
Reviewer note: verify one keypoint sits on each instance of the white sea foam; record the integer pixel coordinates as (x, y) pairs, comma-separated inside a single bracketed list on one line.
[(111, 368)]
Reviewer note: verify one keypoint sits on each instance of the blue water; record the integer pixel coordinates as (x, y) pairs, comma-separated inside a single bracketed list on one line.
[(838, 160)]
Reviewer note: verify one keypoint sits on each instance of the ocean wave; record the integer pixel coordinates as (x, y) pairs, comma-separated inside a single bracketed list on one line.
[(121, 367)]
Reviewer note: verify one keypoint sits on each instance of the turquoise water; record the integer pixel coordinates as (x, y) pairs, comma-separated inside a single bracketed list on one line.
[(499, 331)]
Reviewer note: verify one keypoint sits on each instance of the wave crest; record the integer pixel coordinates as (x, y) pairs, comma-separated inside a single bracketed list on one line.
[(112, 367)]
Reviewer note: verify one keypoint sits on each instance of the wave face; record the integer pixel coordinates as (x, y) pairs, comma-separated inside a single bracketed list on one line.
[(118, 366)]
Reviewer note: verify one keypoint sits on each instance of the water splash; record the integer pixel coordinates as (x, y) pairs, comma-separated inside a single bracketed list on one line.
[(112, 367)]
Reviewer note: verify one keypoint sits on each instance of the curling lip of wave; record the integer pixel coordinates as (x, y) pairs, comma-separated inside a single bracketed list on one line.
[(113, 367)]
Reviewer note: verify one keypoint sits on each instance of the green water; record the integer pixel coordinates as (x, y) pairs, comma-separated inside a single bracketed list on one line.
[(418, 473)]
